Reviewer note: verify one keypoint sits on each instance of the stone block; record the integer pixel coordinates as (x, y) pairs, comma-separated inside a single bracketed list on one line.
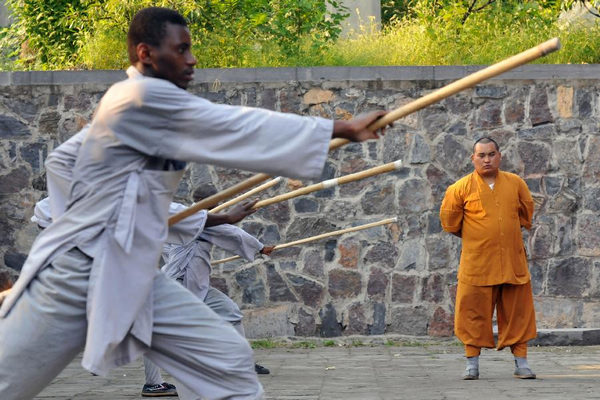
[(557, 312), (278, 288), (403, 288), (414, 196), (317, 96), (12, 128), (313, 264), (491, 92), (378, 284), (330, 327), (489, 115), (378, 327), (419, 151), (305, 205), (15, 181), (409, 320), (412, 256), (542, 132), (514, 111), (439, 250), (536, 157), (378, 200), (356, 321), (384, 254), (591, 168), (310, 291), (344, 283), (306, 325), (268, 322), (564, 101), (433, 288), (439, 180), (539, 111), (453, 154), (302, 227), (34, 154), (14, 260), (591, 198), (349, 252), (441, 323), (588, 239), (253, 288), (538, 270), (434, 120), (585, 103), (569, 277)]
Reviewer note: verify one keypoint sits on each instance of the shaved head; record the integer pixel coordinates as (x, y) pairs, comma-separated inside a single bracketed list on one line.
[(485, 140)]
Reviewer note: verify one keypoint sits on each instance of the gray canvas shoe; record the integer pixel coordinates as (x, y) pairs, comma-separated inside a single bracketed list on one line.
[(471, 374), (524, 373)]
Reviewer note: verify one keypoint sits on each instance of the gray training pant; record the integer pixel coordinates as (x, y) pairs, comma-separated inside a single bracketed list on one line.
[(46, 329), (220, 303)]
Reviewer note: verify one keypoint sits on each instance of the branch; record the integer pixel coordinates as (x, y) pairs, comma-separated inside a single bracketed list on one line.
[(595, 14)]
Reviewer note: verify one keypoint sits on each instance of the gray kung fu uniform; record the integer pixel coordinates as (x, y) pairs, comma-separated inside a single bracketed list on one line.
[(115, 223), (189, 263)]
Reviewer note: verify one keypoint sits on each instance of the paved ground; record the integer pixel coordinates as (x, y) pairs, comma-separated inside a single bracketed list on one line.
[(380, 373)]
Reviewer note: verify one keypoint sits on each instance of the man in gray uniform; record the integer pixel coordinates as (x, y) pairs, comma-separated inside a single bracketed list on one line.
[(189, 264), (90, 281)]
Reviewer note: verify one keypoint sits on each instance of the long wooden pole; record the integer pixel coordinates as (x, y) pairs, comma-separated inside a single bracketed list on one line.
[(249, 193), (330, 183), (468, 81), (215, 199), (317, 237)]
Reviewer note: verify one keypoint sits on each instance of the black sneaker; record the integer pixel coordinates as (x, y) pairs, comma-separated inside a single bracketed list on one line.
[(159, 390), (261, 370)]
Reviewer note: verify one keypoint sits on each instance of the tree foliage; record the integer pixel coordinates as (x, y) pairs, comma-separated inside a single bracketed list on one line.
[(50, 34)]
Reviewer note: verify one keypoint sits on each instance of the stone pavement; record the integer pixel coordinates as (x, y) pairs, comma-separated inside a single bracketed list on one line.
[(379, 372)]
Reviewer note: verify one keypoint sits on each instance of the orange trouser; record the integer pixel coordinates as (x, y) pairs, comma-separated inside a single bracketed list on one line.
[(514, 313)]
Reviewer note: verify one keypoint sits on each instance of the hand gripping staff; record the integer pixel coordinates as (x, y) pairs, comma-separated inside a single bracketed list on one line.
[(468, 81)]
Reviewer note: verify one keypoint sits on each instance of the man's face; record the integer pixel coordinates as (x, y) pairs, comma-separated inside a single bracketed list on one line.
[(486, 159), (173, 59)]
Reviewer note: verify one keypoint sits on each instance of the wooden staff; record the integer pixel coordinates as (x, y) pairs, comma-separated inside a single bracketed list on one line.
[(330, 183), (258, 189), (427, 100), (213, 200), (318, 237)]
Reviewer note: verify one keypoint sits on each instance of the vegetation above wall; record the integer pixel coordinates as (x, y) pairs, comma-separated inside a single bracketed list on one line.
[(90, 34)]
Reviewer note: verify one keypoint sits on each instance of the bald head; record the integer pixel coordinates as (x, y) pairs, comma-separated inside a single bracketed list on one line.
[(485, 140)]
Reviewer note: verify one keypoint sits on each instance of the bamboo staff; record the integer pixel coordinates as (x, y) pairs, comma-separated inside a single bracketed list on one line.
[(213, 200), (468, 81), (244, 196), (330, 183), (318, 237)]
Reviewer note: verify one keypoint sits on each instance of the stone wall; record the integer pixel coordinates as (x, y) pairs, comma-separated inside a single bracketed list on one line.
[(395, 279)]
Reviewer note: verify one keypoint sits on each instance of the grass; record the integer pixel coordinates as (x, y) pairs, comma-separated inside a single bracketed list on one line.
[(348, 342), (404, 42)]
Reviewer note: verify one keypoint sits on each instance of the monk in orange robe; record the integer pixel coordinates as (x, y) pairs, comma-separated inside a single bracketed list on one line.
[(487, 209)]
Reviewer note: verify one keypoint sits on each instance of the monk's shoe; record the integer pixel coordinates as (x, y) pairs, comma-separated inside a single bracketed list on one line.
[(524, 373), (471, 374)]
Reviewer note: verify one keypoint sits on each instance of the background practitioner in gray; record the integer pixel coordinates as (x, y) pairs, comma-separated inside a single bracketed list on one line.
[(189, 264), (90, 281)]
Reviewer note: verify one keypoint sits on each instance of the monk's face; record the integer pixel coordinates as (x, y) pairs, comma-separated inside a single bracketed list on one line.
[(486, 159), (173, 59)]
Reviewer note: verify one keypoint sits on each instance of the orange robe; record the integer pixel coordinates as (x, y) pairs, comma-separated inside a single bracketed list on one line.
[(493, 270)]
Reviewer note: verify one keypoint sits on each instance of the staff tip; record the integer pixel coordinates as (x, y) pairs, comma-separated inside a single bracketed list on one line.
[(550, 46), (397, 164)]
